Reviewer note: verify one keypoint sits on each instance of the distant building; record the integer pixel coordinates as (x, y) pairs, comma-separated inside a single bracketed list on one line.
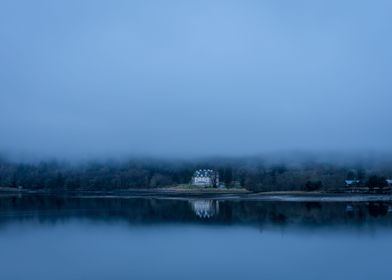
[(389, 181), (205, 177), (353, 186), (352, 183)]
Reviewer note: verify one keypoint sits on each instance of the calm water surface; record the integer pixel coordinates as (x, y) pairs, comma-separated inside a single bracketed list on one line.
[(49, 237)]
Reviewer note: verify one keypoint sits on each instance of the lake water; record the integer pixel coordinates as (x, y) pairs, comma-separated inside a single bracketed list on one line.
[(52, 237)]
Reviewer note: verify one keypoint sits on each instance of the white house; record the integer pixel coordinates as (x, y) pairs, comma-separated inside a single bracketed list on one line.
[(205, 177)]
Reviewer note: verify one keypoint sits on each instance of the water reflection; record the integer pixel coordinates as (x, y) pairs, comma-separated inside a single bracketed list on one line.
[(152, 211), (73, 238), (378, 209), (205, 208)]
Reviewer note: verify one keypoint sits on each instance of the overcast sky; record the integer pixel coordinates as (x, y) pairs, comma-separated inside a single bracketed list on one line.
[(104, 78)]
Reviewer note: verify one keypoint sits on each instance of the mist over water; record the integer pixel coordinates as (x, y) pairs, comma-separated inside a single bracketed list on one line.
[(173, 79)]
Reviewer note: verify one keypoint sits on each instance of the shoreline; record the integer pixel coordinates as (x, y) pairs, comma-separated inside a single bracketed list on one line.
[(211, 194)]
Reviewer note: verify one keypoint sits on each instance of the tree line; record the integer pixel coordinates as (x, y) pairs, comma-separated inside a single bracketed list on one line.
[(251, 173)]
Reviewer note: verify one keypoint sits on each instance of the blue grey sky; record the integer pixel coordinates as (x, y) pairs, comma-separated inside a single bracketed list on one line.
[(194, 78)]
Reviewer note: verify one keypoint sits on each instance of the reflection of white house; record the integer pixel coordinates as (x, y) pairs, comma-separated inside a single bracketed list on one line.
[(205, 177), (205, 208), (349, 208)]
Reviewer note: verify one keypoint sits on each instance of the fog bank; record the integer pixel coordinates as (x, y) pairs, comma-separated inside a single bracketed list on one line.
[(100, 79)]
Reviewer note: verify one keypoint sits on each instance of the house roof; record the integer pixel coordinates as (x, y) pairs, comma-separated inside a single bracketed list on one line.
[(350, 182), (204, 173)]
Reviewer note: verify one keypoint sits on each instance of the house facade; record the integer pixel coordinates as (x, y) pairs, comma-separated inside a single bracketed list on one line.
[(205, 177)]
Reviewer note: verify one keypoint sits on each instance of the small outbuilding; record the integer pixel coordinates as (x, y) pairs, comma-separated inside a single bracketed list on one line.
[(352, 183)]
